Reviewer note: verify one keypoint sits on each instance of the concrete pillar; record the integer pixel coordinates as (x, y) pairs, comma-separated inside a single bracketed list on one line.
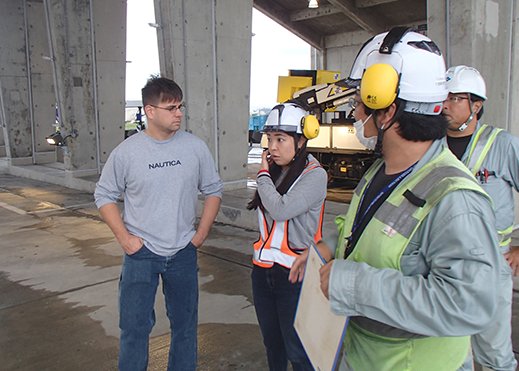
[(26, 95), (205, 47), (110, 45), (87, 39), (437, 17), (342, 49), (479, 33), (513, 106), (43, 96)]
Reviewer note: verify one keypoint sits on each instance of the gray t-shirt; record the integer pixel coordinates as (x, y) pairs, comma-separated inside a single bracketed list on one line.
[(160, 182)]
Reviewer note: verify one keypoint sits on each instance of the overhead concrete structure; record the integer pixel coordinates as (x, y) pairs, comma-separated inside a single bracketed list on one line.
[(478, 33), (69, 54), (205, 47), (72, 53)]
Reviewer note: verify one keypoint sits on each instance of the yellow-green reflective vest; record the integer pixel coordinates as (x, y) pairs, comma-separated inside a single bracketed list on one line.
[(382, 244), (483, 139)]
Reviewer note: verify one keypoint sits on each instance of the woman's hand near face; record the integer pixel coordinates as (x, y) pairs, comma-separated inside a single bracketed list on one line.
[(265, 160)]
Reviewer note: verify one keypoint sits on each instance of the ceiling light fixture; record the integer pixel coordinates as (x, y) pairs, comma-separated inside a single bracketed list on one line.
[(312, 4)]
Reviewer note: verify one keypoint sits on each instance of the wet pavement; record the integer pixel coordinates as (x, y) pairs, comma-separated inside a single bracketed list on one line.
[(60, 266), (59, 271)]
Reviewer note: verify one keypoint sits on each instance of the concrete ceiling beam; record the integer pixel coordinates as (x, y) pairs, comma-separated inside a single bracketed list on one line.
[(307, 14), (365, 19), (369, 3), (280, 15)]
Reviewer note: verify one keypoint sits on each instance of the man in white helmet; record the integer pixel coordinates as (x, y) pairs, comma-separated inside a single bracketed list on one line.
[(492, 155), (416, 257)]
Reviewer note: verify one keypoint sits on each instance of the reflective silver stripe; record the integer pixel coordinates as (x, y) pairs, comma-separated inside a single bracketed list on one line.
[(480, 146), (425, 185), (261, 220), (360, 186), (505, 239), (400, 218), (382, 329), (273, 255), (278, 234)]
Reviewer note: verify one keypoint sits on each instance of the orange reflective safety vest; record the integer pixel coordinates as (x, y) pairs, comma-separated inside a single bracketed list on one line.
[(272, 245)]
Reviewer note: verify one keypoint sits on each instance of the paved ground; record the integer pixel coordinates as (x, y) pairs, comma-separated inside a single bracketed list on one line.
[(59, 269)]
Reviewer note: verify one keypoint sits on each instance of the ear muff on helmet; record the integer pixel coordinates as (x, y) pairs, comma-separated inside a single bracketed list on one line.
[(379, 86), (310, 127)]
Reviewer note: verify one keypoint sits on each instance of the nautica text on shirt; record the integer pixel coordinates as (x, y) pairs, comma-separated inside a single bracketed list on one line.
[(164, 164)]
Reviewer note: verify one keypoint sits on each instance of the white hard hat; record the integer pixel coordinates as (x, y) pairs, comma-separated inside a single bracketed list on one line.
[(292, 118), (285, 117), (418, 63), (463, 79)]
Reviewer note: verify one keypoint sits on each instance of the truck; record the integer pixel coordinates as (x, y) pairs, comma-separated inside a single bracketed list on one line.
[(337, 148), (256, 123)]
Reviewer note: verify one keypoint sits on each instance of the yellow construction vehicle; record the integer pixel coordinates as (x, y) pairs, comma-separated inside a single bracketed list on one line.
[(337, 147)]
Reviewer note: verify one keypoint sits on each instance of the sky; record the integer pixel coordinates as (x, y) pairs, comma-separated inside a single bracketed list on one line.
[(275, 50)]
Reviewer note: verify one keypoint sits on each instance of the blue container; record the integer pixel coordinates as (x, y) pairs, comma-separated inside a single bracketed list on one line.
[(257, 122)]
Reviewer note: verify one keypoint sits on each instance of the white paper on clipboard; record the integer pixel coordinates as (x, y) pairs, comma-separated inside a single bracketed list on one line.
[(321, 331)]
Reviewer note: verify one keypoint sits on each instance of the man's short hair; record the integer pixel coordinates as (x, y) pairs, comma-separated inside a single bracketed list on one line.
[(418, 128), (477, 98), (421, 128), (161, 89)]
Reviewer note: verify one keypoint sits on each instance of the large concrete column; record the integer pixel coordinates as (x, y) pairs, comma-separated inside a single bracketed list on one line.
[(205, 47), (481, 33), (87, 39), (26, 95), (42, 92), (513, 102), (437, 18), (110, 67)]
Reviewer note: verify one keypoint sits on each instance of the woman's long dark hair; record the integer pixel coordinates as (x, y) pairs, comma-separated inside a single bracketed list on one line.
[(293, 172)]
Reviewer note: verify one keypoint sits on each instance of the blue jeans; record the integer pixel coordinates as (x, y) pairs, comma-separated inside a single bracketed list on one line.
[(275, 301), (137, 289)]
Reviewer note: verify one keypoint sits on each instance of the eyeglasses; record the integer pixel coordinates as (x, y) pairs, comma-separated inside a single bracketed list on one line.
[(454, 99), (172, 109), (352, 102)]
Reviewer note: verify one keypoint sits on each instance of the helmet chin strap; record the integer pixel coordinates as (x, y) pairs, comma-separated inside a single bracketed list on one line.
[(472, 113), (297, 149), (465, 124), (380, 135)]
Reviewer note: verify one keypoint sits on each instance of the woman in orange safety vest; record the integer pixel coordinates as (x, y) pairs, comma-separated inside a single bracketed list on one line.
[(290, 204)]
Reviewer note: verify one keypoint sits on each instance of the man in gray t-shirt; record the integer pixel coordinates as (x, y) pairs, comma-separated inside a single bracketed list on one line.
[(159, 171)]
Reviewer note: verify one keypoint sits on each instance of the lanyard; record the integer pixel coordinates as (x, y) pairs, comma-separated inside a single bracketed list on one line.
[(387, 188)]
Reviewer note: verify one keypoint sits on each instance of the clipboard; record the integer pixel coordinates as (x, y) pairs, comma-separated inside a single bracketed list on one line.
[(320, 330)]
